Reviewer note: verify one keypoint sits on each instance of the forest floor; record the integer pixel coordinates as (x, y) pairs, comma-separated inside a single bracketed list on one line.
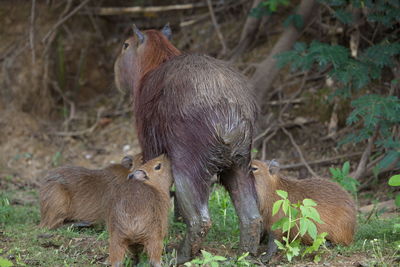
[(29, 153)]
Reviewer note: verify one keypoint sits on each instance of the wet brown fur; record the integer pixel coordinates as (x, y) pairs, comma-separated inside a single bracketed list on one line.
[(335, 206), (201, 113)]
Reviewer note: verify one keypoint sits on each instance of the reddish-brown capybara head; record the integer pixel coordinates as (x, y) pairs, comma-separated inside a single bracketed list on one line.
[(154, 172), (138, 55)]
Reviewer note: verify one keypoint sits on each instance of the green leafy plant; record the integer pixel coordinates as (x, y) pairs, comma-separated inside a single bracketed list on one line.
[(301, 216), (341, 176), (395, 181), (207, 259), (266, 8), (242, 261)]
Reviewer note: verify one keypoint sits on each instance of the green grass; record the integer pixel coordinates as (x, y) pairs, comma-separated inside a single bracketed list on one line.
[(377, 240)]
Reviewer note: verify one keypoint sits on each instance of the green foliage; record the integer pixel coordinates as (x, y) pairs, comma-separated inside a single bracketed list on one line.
[(355, 74), (341, 176), (207, 260), (5, 263), (266, 8), (242, 261), (300, 216), (225, 223), (294, 19), (385, 12), (395, 181)]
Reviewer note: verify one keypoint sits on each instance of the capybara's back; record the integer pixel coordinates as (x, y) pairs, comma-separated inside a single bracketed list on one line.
[(335, 206), (73, 193), (138, 211)]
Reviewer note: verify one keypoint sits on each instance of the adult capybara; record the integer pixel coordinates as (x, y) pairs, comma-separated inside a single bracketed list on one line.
[(137, 214), (335, 206), (73, 193), (201, 113)]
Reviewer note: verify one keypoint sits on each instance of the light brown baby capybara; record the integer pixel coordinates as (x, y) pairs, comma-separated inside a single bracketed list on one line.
[(138, 212), (72, 193), (134, 205), (335, 206)]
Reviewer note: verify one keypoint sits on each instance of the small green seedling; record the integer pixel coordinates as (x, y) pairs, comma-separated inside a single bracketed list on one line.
[(300, 216), (207, 259), (395, 181)]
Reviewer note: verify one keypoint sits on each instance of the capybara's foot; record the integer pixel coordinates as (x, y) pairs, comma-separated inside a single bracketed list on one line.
[(250, 236)]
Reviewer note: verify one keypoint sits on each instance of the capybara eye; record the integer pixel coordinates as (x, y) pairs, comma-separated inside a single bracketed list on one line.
[(126, 45), (158, 166), (253, 169)]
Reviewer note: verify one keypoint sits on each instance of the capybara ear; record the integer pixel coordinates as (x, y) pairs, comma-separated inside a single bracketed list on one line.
[(273, 166), (139, 35), (127, 162), (167, 31)]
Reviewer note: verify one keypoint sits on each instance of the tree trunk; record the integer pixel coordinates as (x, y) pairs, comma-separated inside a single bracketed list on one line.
[(249, 31), (267, 70)]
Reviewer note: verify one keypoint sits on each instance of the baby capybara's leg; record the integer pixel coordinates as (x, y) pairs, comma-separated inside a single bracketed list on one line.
[(117, 250), (154, 249), (54, 205), (271, 247), (192, 194), (239, 182)]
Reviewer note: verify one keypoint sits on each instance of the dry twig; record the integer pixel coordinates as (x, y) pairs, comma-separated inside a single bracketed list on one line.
[(321, 161), (300, 152), (85, 131), (64, 19), (32, 32)]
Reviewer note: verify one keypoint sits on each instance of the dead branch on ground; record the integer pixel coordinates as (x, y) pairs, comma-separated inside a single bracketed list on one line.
[(321, 161), (112, 11), (85, 131), (303, 160), (361, 168)]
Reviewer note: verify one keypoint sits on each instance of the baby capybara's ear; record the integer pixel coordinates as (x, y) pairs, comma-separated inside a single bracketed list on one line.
[(127, 161), (273, 166)]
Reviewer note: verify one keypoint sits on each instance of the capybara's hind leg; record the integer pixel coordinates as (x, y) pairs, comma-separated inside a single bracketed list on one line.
[(117, 250), (154, 248), (240, 184), (192, 195), (54, 206)]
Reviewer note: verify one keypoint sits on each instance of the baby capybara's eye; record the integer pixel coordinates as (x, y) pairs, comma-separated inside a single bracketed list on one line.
[(158, 166), (253, 169), (126, 45)]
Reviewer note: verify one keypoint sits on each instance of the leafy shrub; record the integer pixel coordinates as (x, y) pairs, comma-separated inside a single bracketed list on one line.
[(341, 176), (355, 74)]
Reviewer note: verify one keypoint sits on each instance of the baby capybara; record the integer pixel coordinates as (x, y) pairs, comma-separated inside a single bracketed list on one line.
[(133, 205), (335, 206), (73, 193), (137, 214)]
